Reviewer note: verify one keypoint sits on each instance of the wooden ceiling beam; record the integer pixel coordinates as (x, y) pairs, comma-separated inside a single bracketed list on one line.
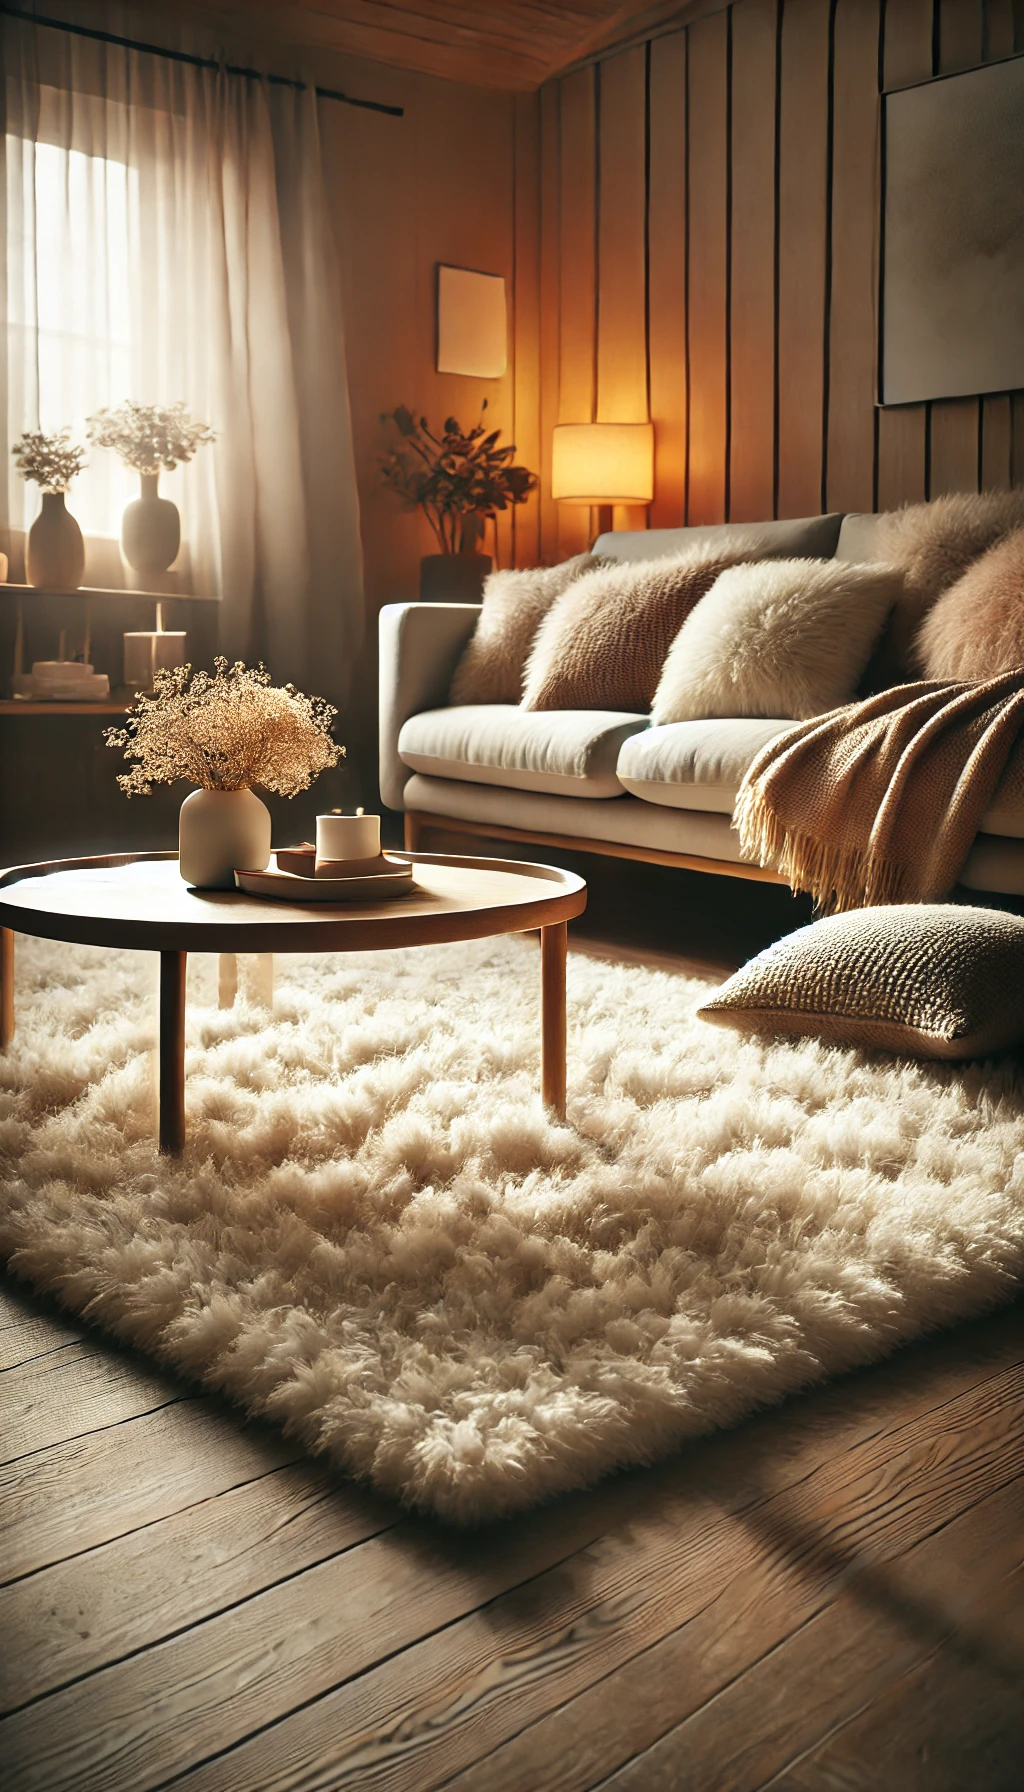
[(513, 47)]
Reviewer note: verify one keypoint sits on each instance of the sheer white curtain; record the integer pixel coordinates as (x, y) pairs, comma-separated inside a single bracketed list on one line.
[(168, 237)]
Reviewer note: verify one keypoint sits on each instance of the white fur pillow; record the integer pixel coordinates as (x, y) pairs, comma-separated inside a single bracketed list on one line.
[(776, 638)]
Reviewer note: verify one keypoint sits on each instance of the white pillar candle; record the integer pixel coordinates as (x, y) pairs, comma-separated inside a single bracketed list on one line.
[(344, 838), (146, 651)]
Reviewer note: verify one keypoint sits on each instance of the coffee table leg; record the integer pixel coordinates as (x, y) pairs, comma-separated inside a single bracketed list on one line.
[(227, 980), (6, 987), (553, 948), (172, 1052)]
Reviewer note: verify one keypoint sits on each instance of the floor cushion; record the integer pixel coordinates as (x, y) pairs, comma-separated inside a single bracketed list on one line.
[(932, 980)]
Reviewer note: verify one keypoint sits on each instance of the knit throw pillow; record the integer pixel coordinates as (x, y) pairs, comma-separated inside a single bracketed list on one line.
[(934, 544), (778, 638), (603, 644), (514, 605), (928, 980), (976, 630)]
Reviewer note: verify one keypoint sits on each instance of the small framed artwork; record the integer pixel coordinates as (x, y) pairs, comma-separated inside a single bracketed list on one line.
[(472, 323)]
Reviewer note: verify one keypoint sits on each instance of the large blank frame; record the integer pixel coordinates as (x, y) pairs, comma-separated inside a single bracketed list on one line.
[(952, 303)]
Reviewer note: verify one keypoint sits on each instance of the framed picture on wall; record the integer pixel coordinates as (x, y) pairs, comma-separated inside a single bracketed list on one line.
[(952, 268), (472, 323)]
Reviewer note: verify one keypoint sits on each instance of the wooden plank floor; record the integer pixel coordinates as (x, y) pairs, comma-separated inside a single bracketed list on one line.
[(828, 1597)]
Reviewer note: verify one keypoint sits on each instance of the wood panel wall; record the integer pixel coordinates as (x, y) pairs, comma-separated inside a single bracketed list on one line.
[(707, 209)]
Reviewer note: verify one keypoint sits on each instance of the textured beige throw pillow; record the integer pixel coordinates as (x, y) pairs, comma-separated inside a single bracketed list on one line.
[(976, 630), (933, 981), (603, 644), (934, 544), (514, 606), (778, 638)]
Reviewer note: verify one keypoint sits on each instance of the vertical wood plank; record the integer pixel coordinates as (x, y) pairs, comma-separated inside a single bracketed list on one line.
[(1017, 439), (526, 320), (903, 429), (708, 261), (997, 409), (955, 422), (621, 342), (622, 253), (855, 176), (803, 166), (578, 295), (667, 278), (550, 309), (998, 30), (997, 443), (752, 311), (961, 34)]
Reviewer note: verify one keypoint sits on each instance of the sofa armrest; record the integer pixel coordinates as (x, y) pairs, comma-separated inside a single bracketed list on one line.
[(420, 645)]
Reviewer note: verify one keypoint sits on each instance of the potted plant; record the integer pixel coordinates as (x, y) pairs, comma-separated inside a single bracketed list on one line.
[(55, 551), (225, 732), (460, 480), (151, 439)]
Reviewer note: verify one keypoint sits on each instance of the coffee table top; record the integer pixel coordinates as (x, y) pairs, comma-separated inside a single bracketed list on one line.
[(140, 900)]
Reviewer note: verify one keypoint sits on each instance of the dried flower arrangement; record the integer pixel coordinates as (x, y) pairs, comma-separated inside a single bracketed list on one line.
[(457, 479), (228, 730), (148, 437), (50, 462)]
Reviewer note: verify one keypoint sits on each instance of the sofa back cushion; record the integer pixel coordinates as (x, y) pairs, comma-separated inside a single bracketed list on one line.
[(603, 644), (933, 544), (976, 629), (803, 537), (515, 604), (776, 638)]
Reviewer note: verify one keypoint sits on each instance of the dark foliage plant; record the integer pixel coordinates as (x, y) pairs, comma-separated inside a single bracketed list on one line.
[(459, 479)]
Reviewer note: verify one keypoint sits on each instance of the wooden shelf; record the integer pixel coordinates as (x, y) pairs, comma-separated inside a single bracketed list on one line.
[(114, 705), (149, 597)]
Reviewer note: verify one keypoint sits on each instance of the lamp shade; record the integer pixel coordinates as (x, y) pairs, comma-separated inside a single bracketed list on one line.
[(603, 463)]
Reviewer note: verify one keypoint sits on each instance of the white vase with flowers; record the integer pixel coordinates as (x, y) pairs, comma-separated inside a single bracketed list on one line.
[(225, 732)]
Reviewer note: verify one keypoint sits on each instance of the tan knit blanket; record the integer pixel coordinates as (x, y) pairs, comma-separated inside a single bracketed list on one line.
[(879, 802)]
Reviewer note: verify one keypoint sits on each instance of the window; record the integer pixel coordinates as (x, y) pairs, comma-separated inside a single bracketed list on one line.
[(70, 312)]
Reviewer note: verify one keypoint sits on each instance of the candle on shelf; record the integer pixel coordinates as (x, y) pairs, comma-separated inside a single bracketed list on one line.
[(146, 651), (343, 842)]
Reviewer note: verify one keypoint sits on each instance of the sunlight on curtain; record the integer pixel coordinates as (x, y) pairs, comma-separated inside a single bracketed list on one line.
[(168, 238), (70, 324)]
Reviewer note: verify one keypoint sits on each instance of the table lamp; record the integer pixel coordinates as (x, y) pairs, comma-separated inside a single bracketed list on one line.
[(603, 464)]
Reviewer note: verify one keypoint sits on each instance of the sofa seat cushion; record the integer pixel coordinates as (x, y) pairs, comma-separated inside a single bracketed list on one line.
[(694, 765), (569, 752), (701, 765)]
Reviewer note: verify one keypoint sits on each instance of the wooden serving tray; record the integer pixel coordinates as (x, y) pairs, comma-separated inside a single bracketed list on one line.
[(392, 877)]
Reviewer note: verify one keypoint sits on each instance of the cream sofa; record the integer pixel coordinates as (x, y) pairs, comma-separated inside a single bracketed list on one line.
[(599, 780)]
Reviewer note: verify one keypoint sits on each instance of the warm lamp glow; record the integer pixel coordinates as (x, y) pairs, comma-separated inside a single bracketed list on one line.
[(603, 463)]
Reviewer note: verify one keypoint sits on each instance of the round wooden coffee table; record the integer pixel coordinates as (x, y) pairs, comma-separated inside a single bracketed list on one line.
[(139, 900)]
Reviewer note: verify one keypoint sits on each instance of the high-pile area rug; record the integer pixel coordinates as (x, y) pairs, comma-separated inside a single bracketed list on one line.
[(380, 1239)]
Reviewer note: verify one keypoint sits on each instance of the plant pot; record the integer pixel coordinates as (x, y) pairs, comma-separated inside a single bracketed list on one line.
[(55, 551), (453, 578), (150, 529), (220, 831)]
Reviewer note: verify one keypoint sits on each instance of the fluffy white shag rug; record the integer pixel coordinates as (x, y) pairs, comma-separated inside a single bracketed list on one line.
[(378, 1238)]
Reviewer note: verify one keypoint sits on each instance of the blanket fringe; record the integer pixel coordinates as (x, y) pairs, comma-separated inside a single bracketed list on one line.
[(838, 878)]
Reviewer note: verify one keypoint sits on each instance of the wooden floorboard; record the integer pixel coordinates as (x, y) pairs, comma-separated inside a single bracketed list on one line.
[(828, 1597)]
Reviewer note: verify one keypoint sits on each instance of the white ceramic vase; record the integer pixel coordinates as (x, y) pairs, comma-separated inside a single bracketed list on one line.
[(219, 832), (150, 528), (55, 551)]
